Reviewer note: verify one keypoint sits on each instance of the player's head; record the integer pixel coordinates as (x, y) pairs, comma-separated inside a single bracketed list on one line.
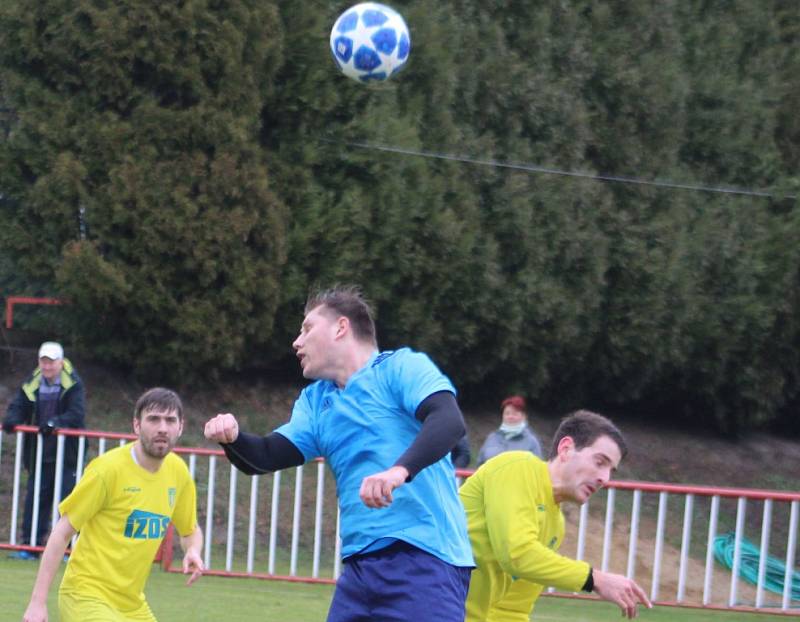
[(514, 410), (587, 448), (346, 301), (334, 319), (51, 360), (158, 421)]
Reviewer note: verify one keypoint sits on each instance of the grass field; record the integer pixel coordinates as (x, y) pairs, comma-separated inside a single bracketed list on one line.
[(215, 599)]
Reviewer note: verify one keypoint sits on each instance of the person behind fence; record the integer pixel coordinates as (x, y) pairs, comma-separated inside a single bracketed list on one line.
[(513, 433), (513, 506), (51, 397), (461, 454), (385, 423), (122, 507)]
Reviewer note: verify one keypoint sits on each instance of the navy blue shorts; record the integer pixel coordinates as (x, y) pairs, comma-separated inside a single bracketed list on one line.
[(399, 583)]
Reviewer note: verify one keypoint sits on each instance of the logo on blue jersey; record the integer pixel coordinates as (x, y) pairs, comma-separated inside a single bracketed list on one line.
[(143, 525), (382, 357), (327, 403), (171, 496)]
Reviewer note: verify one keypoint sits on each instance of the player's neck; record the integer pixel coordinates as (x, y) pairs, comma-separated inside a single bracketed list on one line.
[(144, 460), (354, 359), (555, 481)]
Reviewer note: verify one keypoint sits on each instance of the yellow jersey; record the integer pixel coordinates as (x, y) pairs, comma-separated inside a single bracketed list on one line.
[(515, 528), (122, 512)]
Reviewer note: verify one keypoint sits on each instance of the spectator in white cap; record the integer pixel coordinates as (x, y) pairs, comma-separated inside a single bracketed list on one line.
[(51, 397)]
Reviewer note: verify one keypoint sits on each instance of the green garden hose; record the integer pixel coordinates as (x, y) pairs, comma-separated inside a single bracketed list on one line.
[(748, 565)]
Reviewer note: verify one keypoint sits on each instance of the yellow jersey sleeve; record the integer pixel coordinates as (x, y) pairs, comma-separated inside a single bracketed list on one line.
[(185, 515), (514, 498), (86, 499)]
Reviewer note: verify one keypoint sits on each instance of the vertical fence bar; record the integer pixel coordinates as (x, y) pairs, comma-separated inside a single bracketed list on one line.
[(298, 494), (193, 465), (15, 499), (634, 535), (741, 508), (583, 519), (712, 534), (212, 470), (251, 529), (101, 446), (766, 522), (37, 487), (273, 521), (318, 519), (337, 550), (686, 544), (231, 519), (81, 457), (59, 478), (790, 548), (608, 528), (659, 550)]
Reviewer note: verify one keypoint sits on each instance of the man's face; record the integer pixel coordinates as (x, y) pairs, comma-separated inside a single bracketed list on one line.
[(158, 431), (587, 470), (51, 368), (315, 342)]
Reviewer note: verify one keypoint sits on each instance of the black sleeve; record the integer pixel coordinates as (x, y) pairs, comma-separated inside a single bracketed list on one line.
[(442, 426), (253, 454), (461, 454), (19, 410)]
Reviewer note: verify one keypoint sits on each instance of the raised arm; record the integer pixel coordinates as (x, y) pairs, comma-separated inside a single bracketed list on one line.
[(51, 558), (250, 453)]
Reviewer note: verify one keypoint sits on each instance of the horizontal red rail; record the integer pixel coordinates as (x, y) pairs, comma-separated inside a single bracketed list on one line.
[(686, 489), (26, 300)]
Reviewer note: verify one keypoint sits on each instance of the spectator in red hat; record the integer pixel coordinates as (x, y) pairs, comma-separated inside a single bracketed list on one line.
[(513, 433)]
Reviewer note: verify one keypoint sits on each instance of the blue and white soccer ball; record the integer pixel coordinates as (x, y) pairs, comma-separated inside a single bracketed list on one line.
[(370, 42)]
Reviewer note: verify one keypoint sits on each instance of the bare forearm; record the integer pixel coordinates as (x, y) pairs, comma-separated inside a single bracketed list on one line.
[(194, 541), (51, 558)]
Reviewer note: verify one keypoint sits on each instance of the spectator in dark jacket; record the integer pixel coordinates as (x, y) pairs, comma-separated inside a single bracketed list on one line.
[(460, 454), (52, 397), (513, 434)]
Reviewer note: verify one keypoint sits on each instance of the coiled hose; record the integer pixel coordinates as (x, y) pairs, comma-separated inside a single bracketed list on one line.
[(748, 565)]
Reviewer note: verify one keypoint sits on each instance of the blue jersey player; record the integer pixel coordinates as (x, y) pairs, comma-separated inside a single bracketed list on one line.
[(385, 423)]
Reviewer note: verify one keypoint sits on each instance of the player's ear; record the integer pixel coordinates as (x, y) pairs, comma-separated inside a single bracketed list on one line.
[(565, 447), (342, 326), (136, 425)]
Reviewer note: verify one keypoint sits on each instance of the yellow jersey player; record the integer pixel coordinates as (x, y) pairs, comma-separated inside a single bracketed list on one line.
[(516, 526), (122, 507)]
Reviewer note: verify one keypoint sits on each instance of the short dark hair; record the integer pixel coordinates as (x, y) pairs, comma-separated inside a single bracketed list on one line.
[(585, 427), (349, 301), (515, 401), (158, 398)]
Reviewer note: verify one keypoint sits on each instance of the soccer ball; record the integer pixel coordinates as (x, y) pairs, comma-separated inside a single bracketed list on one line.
[(370, 42)]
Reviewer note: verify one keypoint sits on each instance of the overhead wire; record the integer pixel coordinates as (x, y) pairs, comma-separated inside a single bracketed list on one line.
[(535, 168)]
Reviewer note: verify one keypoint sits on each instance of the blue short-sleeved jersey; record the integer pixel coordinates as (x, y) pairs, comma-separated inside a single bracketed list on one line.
[(363, 429)]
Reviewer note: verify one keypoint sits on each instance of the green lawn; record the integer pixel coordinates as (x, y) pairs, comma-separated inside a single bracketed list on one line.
[(215, 599)]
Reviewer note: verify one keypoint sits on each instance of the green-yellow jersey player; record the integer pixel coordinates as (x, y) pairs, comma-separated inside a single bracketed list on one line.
[(122, 507), (515, 524)]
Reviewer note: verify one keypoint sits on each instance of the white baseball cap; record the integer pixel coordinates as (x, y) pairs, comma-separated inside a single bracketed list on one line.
[(51, 350)]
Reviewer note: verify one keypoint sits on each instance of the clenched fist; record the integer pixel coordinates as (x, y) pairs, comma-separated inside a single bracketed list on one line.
[(222, 429)]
